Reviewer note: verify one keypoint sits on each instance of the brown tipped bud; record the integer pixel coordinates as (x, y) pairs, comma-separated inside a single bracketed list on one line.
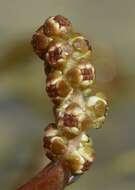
[(55, 147), (53, 55), (70, 116), (87, 74), (82, 75), (52, 90), (72, 120), (50, 131), (58, 145), (52, 83), (97, 108), (57, 88), (57, 54), (40, 42), (57, 25)]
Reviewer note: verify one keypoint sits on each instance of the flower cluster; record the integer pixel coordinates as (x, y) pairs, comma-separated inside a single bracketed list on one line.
[(70, 74)]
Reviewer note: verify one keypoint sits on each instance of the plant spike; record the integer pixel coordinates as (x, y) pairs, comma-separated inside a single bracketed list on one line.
[(70, 75)]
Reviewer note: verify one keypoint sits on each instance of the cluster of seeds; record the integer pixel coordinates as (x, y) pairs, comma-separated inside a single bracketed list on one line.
[(70, 75)]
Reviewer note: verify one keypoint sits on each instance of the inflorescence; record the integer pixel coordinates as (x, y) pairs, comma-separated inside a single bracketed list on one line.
[(70, 75)]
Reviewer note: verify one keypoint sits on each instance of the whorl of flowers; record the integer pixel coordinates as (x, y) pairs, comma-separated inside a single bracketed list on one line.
[(70, 75)]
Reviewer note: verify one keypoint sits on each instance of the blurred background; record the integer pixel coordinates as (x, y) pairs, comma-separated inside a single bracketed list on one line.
[(25, 108)]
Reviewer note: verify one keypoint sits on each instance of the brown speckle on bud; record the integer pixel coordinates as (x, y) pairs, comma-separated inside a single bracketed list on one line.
[(87, 74), (52, 90), (47, 142), (70, 120), (81, 76), (62, 21), (53, 55), (57, 54)]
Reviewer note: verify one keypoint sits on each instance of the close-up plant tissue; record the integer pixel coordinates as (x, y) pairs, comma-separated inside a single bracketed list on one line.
[(51, 108)]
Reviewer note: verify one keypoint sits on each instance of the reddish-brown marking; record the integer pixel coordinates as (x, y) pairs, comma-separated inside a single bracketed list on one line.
[(62, 20), (70, 120), (52, 90), (87, 74)]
